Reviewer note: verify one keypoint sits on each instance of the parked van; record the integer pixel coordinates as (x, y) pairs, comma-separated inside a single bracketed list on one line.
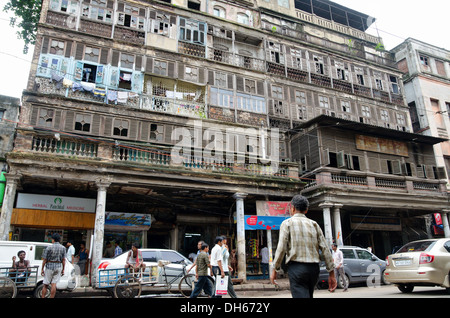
[(34, 251)]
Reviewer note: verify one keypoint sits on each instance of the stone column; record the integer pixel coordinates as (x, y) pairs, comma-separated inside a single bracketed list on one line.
[(445, 223), (327, 221), (337, 225), (240, 220), (99, 229), (8, 204)]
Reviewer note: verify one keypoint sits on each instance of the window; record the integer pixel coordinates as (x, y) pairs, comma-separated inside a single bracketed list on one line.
[(401, 119), (365, 111), (300, 97), (64, 6), (125, 80), (160, 68), (131, 16), (126, 61), (251, 103), (149, 256), (348, 253), (394, 84), (447, 246), (278, 104), (221, 97), (283, 3), (296, 56), (101, 10), (194, 5), (360, 79), (276, 54), (57, 47), (379, 84), (83, 122), (324, 102), (362, 254), (424, 60), (88, 73), (121, 127), (192, 31), (219, 12), (91, 54), (318, 63), (45, 117), (242, 18), (384, 114), (160, 23), (173, 257), (346, 106), (302, 112), (341, 72)]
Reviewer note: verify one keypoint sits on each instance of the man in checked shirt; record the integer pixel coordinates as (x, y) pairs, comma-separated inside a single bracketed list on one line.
[(300, 240), (54, 261)]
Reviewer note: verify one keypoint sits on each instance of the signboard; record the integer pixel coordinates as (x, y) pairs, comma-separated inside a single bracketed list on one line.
[(55, 203), (273, 208), (257, 222), (381, 145), (127, 221)]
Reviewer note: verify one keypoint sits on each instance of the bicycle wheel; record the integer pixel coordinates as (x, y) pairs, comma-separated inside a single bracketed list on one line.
[(127, 287), (186, 285), (8, 288)]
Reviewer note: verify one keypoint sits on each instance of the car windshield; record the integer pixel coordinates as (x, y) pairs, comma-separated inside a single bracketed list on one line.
[(420, 246)]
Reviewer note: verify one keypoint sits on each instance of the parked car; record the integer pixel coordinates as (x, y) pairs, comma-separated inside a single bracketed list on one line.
[(420, 263), (33, 251), (360, 265), (175, 263)]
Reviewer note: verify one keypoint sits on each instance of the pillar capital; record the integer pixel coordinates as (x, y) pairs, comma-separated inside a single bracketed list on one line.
[(326, 205), (102, 184), (240, 195), (338, 205)]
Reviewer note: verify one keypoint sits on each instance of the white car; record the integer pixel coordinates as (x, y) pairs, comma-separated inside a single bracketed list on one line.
[(33, 253), (176, 265)]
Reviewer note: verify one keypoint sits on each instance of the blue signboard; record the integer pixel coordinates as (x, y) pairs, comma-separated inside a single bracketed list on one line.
[(257, 222), (124, 220)]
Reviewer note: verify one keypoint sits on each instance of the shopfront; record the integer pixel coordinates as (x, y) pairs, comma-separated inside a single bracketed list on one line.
[(37, 217), (262, 230)]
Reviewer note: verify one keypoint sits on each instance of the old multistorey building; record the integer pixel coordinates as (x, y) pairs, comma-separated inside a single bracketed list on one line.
[(190, 111)]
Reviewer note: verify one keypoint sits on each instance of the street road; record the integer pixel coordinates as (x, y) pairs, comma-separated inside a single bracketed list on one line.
[(384, 291)]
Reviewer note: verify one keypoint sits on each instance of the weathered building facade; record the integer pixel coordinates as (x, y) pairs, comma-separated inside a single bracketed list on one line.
[(426, 76), (189, 111)]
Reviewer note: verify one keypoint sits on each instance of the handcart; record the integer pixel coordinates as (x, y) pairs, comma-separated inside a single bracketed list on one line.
[(123, 283), (12, 280), (127, 282)]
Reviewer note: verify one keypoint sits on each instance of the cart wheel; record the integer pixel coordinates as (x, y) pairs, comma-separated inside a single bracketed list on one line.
[(127, 287), (186, 285), (8, 288)]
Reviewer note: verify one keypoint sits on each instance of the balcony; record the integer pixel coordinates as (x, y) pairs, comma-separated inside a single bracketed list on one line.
[(139, 155), (367, 181)]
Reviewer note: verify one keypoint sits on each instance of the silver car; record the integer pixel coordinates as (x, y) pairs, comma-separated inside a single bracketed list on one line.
[(360, 265), (420, 263)]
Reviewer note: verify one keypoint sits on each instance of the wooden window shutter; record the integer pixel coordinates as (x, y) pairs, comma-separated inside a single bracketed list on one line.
[(104, 56), (69, 123), (45, 43), (79, 51), (68, 51), (115, 58)]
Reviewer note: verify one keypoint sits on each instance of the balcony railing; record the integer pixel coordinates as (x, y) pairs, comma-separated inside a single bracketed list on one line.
[(78, 148), (368, 181)]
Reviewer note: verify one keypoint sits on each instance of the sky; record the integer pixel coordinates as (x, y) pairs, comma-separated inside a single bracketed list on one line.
[(396, 20)]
